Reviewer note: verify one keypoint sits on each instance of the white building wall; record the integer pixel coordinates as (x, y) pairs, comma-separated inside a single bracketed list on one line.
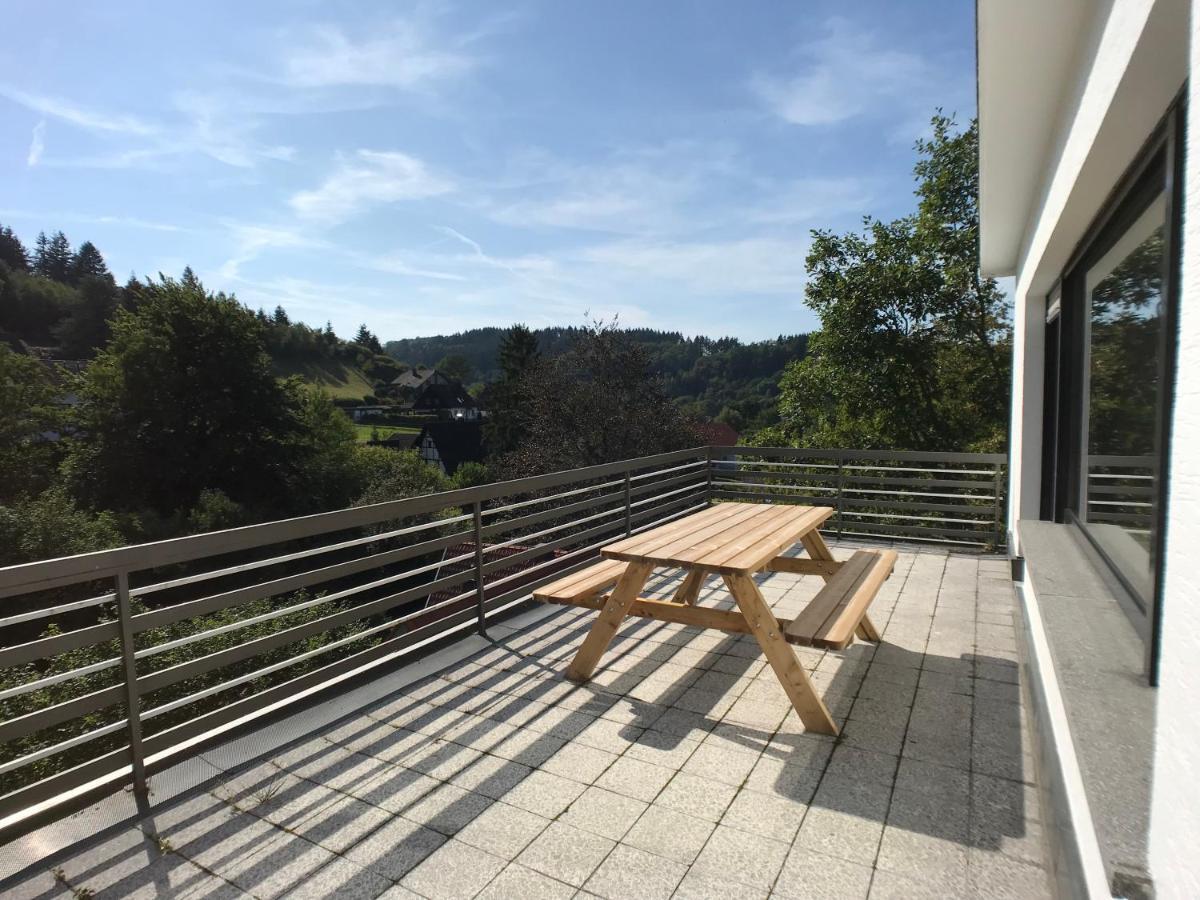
[(1175, 812)]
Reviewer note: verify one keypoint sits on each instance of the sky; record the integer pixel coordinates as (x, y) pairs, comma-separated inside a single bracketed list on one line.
[(430, 167)]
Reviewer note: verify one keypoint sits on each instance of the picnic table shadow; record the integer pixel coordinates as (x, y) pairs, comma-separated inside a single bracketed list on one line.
[(319, 787)]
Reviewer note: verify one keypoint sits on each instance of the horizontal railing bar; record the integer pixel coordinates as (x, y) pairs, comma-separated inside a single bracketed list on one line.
[(549, 546), (51, 680), (43, 648), (989, 523), (1140, 504), (917, 482), (686, 478), (56, 610), (658, 498), (506, 525), (1121, 476), (553, 529), (1119, 490), (154, 681), (988, 473), (833, 467), (101, 563), (25, 797), (749, 474), (49, 716), (1135, 462), (657, 473), (797, 487), (163, 741), (988, 510), (872, 455), (289, 610), (876, 491), (550, 498), (54, 749), (238, 596)]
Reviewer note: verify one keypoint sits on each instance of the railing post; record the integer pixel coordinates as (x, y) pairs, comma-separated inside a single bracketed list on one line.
[(480, 596), (998, 518), (839, 485), (708, 469), (628, 508), (132, 699)]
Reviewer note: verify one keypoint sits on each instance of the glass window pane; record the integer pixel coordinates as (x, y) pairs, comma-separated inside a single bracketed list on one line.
[(1124, 293)]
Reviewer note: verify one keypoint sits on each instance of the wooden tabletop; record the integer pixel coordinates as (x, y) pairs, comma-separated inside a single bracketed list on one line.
[(730, 538)]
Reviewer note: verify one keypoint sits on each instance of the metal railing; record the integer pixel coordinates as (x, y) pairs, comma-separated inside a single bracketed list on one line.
[(118, 663), (955, 498)]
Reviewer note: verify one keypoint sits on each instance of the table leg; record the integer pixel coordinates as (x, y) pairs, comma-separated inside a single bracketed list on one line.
[(606, 625), (780, 654), (818, 549), (690, 589)]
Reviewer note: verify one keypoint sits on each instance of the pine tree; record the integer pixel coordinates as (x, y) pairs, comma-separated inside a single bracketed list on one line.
[(88, 263), (53, 257), (518, 356), (518, 352), (364, 338), (12, 251), (280, 316)]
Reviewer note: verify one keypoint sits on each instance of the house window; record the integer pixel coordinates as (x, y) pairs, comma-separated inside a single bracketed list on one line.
[(1110, 360), (1123, 400)]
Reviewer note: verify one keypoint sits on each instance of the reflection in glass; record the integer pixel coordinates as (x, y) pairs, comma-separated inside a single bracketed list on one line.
[(1124, 291)]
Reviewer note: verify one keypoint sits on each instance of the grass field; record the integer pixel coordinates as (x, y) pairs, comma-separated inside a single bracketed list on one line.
[(363, 432), (339, 380)]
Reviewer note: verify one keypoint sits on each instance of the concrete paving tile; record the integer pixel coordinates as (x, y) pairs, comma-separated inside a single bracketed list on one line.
[(518, 881), (503, 830), (768, 815), (491, 776), (855, 762), (665, 750), (579, 762), (341, 824), (669, 833), (340, 878), (743, 857), (280, 866), (566, 854), (393, 850), (696, 796), (717, 764), (916, 854), (632, 874), (455, 871), (704, 884), (544, 794), (604, 812), (808, 875), (996, 877), (635, 778)]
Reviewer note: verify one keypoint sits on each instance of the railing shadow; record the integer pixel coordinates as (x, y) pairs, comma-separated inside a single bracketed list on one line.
[(923, 748)]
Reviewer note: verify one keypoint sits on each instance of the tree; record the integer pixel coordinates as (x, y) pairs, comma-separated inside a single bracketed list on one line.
[(12, 251), (912, 350), (364, 338), (88, 263), (455, 366), (53, 257), (598, 402), (518, 355), (182, 399), (86, 328), (29, 413)]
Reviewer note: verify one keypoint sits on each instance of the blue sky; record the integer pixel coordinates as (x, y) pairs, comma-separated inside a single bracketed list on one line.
[(431, 167)]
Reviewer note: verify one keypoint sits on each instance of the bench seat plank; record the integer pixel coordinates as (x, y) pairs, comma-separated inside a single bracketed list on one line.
[(832, 617), (586, 582)]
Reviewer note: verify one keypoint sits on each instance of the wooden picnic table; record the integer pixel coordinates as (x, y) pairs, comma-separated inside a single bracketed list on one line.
[(735, 541)]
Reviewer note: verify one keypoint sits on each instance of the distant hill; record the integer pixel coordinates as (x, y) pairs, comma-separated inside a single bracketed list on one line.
[(708, 377)]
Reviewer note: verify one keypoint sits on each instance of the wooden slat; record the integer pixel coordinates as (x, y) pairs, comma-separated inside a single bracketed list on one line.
[(689, 590), (609, 620), (771, 543), (833, 616), (649, 538), (782, 658), (697, 545), (801, 566), (585, 581)]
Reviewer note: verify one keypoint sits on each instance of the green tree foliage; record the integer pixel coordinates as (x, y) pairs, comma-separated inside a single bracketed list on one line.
[(12, 252), (385, 474), (88, 263), (85, 328), (50, 525), (471, 474), (364, 338), (455, 366), (53, 257), (504, 430), (600, 401), (29, 414), (912, 352), (181, 400)]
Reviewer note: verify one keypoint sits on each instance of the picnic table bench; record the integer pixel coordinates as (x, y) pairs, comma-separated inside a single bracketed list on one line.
[(734, 541)]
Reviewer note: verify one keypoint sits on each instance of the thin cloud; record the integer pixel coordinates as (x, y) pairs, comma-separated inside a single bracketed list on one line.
[(59, 108), (847, 73), (37, 144), (402, 54), (368, 178)]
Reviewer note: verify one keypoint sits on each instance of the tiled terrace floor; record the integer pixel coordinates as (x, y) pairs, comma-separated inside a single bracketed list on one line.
[(680, 771)]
